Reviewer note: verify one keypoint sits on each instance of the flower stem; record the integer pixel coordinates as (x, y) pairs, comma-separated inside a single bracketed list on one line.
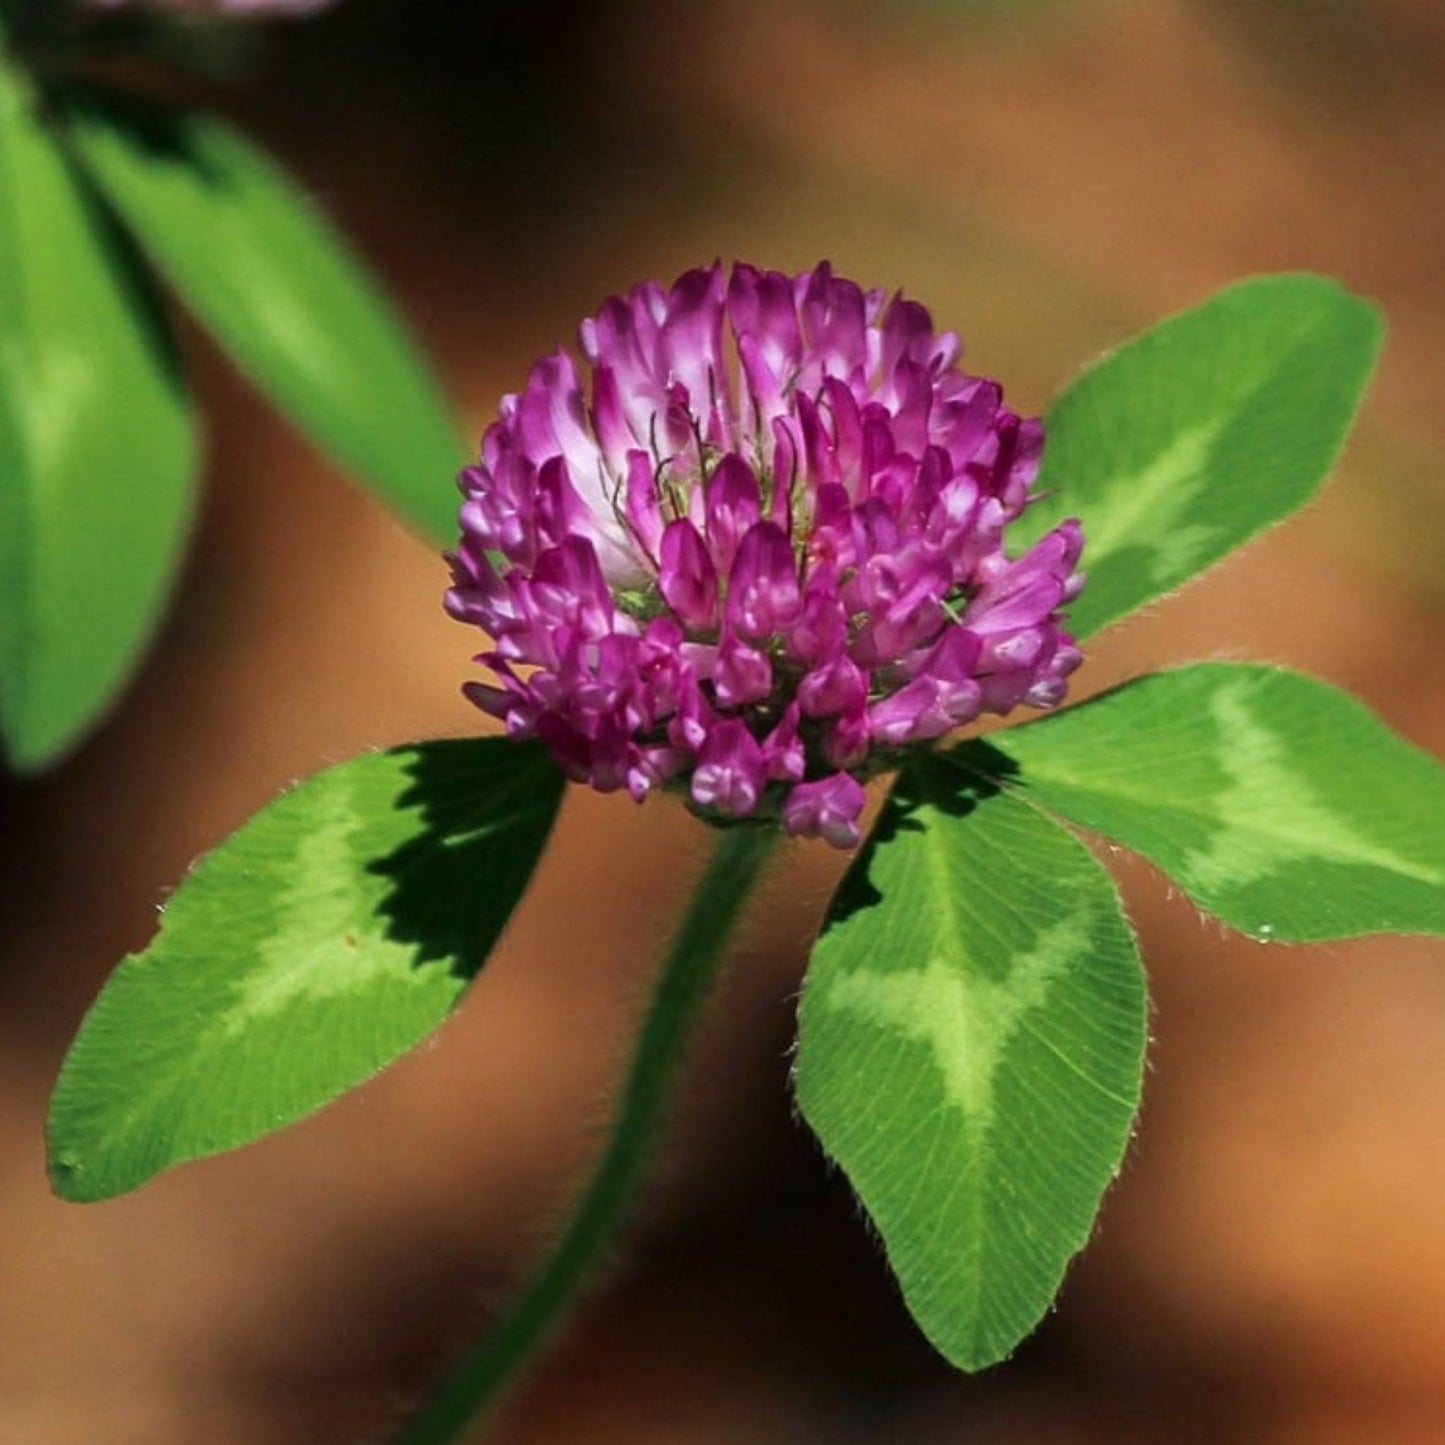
[(691, 964)]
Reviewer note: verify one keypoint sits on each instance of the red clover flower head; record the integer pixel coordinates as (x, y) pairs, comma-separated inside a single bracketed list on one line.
[(760, 551)]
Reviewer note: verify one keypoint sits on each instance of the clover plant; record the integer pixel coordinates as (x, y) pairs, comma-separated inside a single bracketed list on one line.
[(771, 550)]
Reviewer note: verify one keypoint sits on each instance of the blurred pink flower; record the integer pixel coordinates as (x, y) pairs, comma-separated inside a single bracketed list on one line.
[(217, 7)]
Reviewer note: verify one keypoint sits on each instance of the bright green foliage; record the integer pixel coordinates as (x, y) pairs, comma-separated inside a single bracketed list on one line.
[(96, 450), (970, 1046), (282, 294), (331, 933), (1278, 803), (1194, 437)]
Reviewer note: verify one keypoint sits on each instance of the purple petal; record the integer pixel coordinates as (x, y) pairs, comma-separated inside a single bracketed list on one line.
[(641, 504), (730, 771), (741, 674), (784, 756), (687, 577), (763, 591), (915, 713), (734, 504), (827, 808), (836, 686)]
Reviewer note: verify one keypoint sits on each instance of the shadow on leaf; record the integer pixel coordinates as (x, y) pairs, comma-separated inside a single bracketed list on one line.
[(483, 808), (955, 782)]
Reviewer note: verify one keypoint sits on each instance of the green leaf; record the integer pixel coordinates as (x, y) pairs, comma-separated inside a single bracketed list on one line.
[(328, 935), (276, 284), (96, 449), (1279, 804), (1199, 434), (970, 1045)]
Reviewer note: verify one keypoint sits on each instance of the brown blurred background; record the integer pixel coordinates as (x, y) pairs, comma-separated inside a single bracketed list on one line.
[(1271, 1268)]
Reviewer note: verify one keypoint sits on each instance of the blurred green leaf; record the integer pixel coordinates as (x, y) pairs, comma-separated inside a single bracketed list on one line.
[(970, 1045), (1200, 433), (1279, 804), (96, 448), (328, 935), (283, 295)]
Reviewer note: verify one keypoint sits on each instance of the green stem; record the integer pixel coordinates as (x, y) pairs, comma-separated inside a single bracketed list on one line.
[(691, 964)]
